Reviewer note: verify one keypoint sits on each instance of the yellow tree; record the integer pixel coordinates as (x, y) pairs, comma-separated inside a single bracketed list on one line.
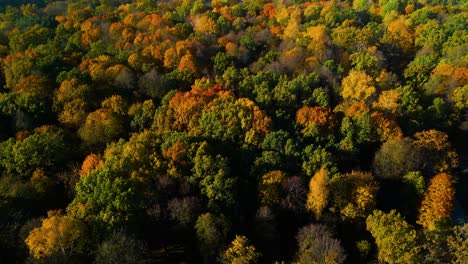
[(317, 198), (388, 101), (354, 194), (438, 201), (440, 156), (320, 40), (399, 34), (240, 252), (386, 128), (115, 103), (205, 25), (58, 235), (357, 86), (291, 31)]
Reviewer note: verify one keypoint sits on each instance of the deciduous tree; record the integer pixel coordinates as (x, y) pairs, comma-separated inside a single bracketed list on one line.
[(317, 198), (58, 235), (240, 251), (396, 240), (438, 201), (317, 245)]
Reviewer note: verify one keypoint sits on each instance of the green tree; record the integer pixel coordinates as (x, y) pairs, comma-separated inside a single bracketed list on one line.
[(396, 157), (106, 199), (396, 240), (45, 149), (211, 232), (213, 176)]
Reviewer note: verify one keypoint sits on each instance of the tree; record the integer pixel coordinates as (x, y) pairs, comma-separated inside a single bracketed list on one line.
[(438, 201), (240, 252), (316, 158), (101, 127), (458, 244), (388, 101), (58, 235), (354, 195), (74, 113), (317, 198), (296, 194), (270, 188), (70, 90), (399, 35), (317, 245), (45, 149), (459, 97), (315, 120), (205, 25), (396, 240), (211, 232), (106, 200), (437, 150), (120, 248), (396, 157), (385, 127), (142, 115), (183, 210), (92, 162), (357, 86), (212, 174), (115, 103)]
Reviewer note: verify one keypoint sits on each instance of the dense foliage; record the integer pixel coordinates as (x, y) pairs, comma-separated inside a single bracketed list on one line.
[(145, 131)]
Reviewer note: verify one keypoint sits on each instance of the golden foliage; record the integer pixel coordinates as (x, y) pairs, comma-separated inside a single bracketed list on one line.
[(386, 80), (356, 109), (357, 86), (187, 63), (317, 198), (240, 252), (205, 24), (58, 234), (115, 103), (292, 30), (386, 128), (171, 58), (438, 201), (399, 34), (73, 113), (32, 84), (388, 101), (92, 162), (438, 148), (354, 194)]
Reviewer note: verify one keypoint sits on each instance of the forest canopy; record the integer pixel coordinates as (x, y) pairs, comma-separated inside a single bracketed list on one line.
[(226, 131)]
